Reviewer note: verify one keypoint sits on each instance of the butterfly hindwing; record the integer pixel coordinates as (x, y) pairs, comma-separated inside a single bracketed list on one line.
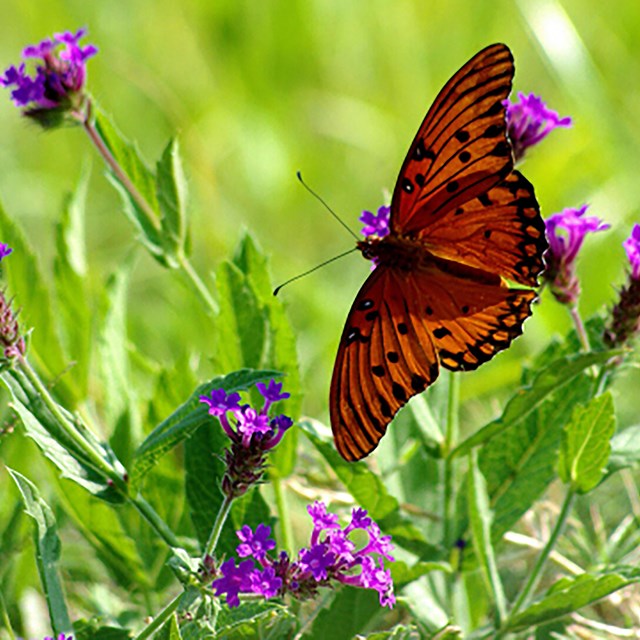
[(461, 149), (499, 231), (385, 357)]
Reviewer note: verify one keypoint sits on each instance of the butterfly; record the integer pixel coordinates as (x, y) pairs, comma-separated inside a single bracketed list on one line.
[(462, 222)]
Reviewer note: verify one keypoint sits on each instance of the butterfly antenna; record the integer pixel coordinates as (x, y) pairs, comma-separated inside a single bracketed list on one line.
[(327, 207), (306, 273)]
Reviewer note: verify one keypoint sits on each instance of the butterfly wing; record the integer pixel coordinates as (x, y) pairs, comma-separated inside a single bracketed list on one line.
[(400, 327), (461, 149)]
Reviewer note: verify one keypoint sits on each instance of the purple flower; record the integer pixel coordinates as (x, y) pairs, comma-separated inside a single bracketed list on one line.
[(58, 82), (234, 580), (266, 583), (62, 636), (5, 250), (566, 232), (252, 434), (255, 544), (632, 247), (529, 121), (624, 323), (376, 224), (334, 558)]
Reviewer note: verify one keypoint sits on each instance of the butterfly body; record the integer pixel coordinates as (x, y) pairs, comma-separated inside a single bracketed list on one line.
[(462, 222)]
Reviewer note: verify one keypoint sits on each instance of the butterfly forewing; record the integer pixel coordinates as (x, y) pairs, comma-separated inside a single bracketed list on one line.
[(461, 149), (385, 357)]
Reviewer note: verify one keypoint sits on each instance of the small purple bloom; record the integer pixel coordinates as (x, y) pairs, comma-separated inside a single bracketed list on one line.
[(632, 247), (234, 580), (374, 576), (566, 232), (250, 423), (266, 583), (255, 544), (272, 392), (376, 224), (5, 250), (317, 559), (378, 543), (58, 80), (321, 519), (219, 402), (360, 519), (529, 121)]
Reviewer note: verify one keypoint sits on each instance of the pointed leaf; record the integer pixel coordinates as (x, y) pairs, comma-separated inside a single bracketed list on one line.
[(47, 552), (188, 417), (480, 517), (567, 596), (546, 383), (585, 445)]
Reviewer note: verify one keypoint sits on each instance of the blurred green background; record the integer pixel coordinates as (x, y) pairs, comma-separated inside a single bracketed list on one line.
[(336, 89)]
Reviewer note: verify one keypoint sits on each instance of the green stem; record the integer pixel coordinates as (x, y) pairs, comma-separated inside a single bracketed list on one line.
[(4, 618), (93, 458), (283, 514), (156, 522), (536, 573), (450, 440), (160, 619), (221, 518), (198, 285)]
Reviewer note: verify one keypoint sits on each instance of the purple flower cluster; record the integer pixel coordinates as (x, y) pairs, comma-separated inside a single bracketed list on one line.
[(529, 120), (59, 78), (376, 224), (566, 232), (252, 433), (625, 315), (330, 557)]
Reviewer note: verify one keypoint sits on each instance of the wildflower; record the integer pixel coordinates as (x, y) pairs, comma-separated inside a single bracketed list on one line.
[(252, 433), (5, 250), (625, 316), (330, 558), (376, 224), (57, 87), (12, 342), (566, 232), (529, 121)]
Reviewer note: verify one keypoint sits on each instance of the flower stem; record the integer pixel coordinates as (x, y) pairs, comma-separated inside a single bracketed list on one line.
[(160, 619), (580, 328), (198, 285), (283, 514), (156, 522), (103, 150), (536, 573), (221, 518), (92, 457)]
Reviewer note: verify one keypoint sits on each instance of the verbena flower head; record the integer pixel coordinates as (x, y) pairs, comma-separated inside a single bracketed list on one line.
[(376, 224), (529, 120), (252, 434), (56, 88), (566, 232), (625, 315), (330, 557)]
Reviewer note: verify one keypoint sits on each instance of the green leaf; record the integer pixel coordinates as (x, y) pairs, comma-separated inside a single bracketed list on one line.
[(70, 273), (188, 417), (94, 630), (403, 574), (480, 517), (171, 186), (47, 552), (264, 620), (137, 178), (585, 445), (43, 428), (567, 596), (26, 283), (120, 403), (520, 463), (348, 615), (370, 492), (169, 630), (625, 449), (555, 377)]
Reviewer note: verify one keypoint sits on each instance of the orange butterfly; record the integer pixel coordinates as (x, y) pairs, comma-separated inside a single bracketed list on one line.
[(461, 220)]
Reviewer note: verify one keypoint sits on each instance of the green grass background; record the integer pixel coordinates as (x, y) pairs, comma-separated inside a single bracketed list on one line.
[(336, 89)]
